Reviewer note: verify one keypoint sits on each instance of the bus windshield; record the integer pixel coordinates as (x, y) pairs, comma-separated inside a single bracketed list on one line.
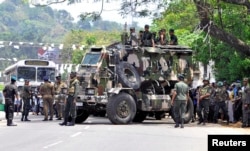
[(26, 73), (42, 72)]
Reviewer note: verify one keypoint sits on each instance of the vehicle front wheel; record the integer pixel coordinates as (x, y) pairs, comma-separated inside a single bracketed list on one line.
[(82, 115), (121, 108)]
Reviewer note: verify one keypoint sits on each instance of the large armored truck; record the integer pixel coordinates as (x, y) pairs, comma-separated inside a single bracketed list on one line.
[(129, 83)]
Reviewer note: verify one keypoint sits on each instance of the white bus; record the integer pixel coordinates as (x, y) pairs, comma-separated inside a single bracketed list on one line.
[(33, 70)]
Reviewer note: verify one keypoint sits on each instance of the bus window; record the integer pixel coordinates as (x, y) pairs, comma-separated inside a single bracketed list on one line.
[(27, 73), (42, 72)]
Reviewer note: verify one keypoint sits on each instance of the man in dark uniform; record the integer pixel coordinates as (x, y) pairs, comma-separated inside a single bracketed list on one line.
[(220, 96), (179, 100), (245, 103), (26, 95), (173, 38), (203, 102), (10, 93), (147, 38), (47, 92), (70, 108)]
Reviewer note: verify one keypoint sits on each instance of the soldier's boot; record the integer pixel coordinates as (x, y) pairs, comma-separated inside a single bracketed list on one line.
[(64, 122), (22, 117), (182, 123), (11, 123), (26, 119), (177, 123), (72, 123)]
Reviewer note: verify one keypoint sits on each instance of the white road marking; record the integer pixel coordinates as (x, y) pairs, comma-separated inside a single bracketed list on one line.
[(74, 135), (56, 143), (86, 127)]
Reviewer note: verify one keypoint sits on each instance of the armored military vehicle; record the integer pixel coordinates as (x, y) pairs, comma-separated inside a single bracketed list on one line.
[(129, 83)]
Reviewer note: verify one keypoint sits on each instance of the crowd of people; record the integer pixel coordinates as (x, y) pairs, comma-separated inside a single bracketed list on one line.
[(64, 100), (229, 102), (147, 38)]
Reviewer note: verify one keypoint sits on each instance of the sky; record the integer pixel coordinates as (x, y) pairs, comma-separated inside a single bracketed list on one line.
[(110, 12)]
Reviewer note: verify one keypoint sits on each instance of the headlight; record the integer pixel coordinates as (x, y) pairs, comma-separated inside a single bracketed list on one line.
[(90, 92)]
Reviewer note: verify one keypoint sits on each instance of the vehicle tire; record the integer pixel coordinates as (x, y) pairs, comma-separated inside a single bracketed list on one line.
[(159, 115), (140, 116), (123, 69), (121, 108), (189, 112), (82, 115)]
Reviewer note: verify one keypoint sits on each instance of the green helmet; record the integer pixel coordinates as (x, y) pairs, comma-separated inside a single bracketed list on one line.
[(220, 84)]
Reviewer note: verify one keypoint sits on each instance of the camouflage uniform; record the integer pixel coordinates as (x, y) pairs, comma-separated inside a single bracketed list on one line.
[(245, 104), (26, 94), (204, 103), (60, 99), (47, 92), (70, 108), (10, 91), (221, 95)]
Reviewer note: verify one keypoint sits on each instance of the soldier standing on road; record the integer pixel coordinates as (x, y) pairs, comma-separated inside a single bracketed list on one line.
[(179, 100), (70, 107), (245, 103), (10, 92), (26, 95), (47, 92), (220, 96), (203, 102), (60, 100)]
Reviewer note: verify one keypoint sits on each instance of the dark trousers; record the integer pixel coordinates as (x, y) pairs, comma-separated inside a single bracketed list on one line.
[(203, 107), (245, 116), (26, 107), (9, 109), (220, 105), (70, 108)]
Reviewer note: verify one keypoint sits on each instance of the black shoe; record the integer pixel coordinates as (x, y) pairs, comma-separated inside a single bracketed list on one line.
[(45, 119), (10, 123), (176, 125), (27, 120), (182, 126), (70, 124), (51, 119), (204, 123), (199, 122), (22, 119), (215, 121), (243, 125), (59, 118), (63, 123)]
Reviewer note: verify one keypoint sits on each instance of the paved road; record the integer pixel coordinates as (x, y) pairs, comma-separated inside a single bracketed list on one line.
[(98, 134)]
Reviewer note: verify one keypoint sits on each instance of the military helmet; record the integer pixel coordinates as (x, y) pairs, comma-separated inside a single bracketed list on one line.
[(13, 78), (206, 79), (73, 73), (220, 84), (58, 76), (180, 76)]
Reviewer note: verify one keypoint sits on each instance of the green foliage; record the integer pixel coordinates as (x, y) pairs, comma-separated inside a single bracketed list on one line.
[(183, 17)]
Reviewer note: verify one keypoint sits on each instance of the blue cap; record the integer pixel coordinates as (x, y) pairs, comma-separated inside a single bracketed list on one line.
[(180, 76), (13, 78), (45, 78)]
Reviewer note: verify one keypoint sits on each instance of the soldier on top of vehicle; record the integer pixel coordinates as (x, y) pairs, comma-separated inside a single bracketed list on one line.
[(173, 37), (162, 38), (147, 38)]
